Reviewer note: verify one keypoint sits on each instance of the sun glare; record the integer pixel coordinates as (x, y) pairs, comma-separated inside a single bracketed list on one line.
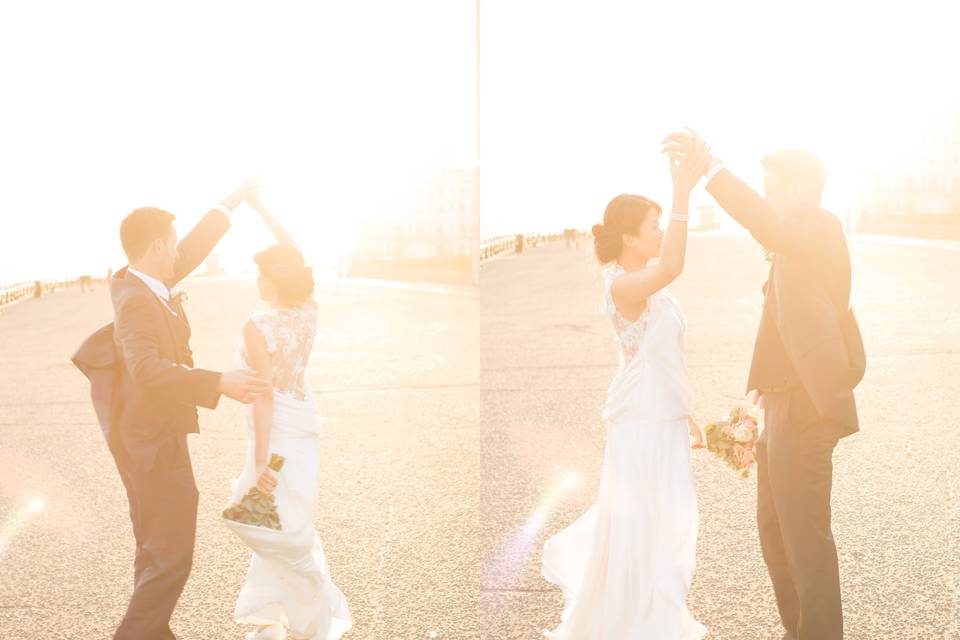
[(328, 104), (566, 127)]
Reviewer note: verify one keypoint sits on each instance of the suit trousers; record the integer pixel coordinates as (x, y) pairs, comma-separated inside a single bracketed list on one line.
[(163, 511), (794, 480)]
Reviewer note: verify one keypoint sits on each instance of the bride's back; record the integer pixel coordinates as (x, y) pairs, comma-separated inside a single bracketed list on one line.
[(651, 383), (289, 333)]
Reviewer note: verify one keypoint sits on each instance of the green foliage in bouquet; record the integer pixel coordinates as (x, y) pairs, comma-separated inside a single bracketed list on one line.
[(733, 440), (257, 508)]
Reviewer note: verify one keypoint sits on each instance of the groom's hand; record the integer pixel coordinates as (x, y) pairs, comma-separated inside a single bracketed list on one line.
[(240, 193), (253, 199), (680, 144), (243, 385), (677, 144)]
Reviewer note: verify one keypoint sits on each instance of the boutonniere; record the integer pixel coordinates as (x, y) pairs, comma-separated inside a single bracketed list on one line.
[(178, 297)]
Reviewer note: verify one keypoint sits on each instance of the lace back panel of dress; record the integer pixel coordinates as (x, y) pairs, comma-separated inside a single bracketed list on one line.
[(628, 335), (289, 334)]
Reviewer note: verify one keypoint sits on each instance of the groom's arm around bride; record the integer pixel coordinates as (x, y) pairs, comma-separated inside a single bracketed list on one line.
[(98, 356)]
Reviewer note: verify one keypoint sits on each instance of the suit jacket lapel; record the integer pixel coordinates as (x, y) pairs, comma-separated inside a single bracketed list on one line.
[(170, 319), (178, 307), (164, 311)]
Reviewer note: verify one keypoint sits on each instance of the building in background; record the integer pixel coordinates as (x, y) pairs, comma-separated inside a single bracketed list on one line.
[(433, 236), (705, 218), (922, 195), (212, 264)]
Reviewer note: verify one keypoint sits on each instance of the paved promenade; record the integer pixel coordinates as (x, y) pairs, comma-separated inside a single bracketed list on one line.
[(547, 358), (395, 370), (462, 428)]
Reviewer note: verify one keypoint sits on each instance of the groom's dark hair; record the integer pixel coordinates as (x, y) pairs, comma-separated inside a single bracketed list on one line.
[(141, 227), (797, 166)]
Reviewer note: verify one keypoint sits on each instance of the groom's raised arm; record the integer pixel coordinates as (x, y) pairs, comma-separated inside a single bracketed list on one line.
[(746, 206), (279, 231), (197, 245), (194, 248)]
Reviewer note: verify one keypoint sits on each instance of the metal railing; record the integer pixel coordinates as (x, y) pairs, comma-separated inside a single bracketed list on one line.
[(515, 243), (36, 289), (493, 246)]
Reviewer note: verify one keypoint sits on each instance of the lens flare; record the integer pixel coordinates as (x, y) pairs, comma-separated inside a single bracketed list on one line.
[(516, 550), (17, 522)]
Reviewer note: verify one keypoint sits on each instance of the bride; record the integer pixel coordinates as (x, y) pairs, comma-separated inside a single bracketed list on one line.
[(626, 564), (288, 585)]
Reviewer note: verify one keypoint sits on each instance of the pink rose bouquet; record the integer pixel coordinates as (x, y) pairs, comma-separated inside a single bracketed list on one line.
[(733, 440)]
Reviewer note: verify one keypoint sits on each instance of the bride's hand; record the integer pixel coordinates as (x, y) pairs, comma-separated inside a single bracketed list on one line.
[(695, 434), (266, 479), (689, 159), (688, 163), (253, 199), (239, 194)]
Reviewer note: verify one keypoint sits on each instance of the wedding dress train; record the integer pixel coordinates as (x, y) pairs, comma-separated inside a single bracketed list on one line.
[(625, 565), (288, 582)]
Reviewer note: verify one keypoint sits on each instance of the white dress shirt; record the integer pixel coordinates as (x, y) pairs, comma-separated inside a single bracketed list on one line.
[(161, 289), (157, 287)]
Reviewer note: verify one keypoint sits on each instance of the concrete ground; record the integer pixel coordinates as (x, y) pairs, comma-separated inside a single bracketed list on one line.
[(395, 370), (454, 420), (547, 357)]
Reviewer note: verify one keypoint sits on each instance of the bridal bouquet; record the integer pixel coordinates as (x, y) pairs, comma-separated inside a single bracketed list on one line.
[(733, 440), (257, 508)]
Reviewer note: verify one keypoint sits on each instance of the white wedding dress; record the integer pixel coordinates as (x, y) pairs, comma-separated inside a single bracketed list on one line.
[(288, 582), (626, 564)]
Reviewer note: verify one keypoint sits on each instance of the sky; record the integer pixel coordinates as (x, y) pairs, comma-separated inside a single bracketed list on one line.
[(336, 108), (575, 97), (339, 108)]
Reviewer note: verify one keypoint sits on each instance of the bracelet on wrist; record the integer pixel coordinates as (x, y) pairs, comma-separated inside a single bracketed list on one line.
[(680, 217), (715, 166)]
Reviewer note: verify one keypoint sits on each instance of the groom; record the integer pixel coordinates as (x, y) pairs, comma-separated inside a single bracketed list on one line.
[(807, 359), (146, 390)]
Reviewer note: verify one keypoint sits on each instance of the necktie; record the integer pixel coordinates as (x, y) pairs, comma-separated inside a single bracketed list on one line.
[(176, 302)]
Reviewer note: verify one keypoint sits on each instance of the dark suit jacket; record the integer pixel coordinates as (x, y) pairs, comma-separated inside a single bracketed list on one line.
[(143, 384), (808, 338)]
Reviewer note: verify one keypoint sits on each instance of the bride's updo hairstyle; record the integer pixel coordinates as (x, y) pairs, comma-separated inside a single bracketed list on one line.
[(625, 214), (282, 265)]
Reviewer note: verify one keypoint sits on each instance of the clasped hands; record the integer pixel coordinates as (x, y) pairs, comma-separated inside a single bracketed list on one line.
[(689, 157)]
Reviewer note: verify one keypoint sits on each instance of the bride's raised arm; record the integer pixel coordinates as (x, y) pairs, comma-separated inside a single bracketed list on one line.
[(634, 287), (279, 232)]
